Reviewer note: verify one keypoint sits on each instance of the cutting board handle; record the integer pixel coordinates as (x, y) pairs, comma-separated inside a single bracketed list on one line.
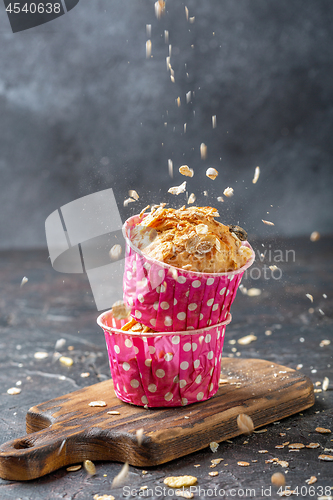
[(45, 451)]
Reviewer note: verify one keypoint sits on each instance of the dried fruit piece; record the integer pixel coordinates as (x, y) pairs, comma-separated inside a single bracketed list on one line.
[(212, 173), (180, 481), (73, 468), (185, 170), (245, 423), (322, 430), (278, 479), (90, 467), (97, 403)]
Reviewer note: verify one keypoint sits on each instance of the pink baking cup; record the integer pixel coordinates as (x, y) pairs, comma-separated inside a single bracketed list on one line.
[(163, 369), (166, 298)]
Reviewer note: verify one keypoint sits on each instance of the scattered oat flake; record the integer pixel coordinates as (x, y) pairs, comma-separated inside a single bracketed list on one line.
[(260, 431), (66, 361), (322, 430), (133, 194), (185, 170), (90, 467), (326, 383), (247, 339), (103, 497), (283, 463), (245, 423), (180, 481), (212, 173), (243, 464), (228, 192), (191, 198), (298, 367), (213, 473), (120, 478), (178, 189), (296, 446), (315, 236), (312, 480), (197, 465), (253, 292), (313, 445), (170, 167), (113, 412), (13, 391), (24, 281), (97, 403), (317, 390), (85, 374), (220, 199), (188, 96), (327, 458), (139, 436), (279, 446), (178, 101), (214, 121), (262, 451), (256, 175), (203, 151), (216, 461), (192, 19), (273, 268), (186, 13), (278, 479), (321, 312), (213, 446), (40, 355), (324, 343), (73, 468), (309, 296)]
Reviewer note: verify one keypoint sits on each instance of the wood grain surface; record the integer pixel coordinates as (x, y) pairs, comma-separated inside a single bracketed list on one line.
[(67, 430)]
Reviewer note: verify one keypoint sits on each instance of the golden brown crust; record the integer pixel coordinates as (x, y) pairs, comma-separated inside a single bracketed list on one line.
[(191, 239)]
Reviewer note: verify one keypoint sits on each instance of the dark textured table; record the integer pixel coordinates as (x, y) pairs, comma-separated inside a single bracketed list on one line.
[(52, 306)]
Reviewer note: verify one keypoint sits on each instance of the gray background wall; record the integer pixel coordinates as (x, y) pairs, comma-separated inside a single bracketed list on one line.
[(82, 109)]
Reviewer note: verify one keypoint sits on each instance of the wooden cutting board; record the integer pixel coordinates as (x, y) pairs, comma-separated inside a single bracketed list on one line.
[(66, 430)]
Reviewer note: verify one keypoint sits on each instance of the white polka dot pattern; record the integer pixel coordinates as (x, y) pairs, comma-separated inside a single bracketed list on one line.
[(187, 347), (135, 383), (126, 366), (152, 388), (164, 305), (184, 365), (181, 316), (168, 396), (128, 343), (192, 307), (160, 373), (210, 302)]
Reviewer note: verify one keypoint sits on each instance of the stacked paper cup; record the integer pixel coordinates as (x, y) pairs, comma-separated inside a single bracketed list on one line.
[(180, 362)]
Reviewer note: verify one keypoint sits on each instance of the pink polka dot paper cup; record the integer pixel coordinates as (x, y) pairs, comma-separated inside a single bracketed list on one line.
[(163, 368), (166, 298)]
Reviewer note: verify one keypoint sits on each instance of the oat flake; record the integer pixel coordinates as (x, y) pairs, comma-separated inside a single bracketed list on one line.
[(97, 403)]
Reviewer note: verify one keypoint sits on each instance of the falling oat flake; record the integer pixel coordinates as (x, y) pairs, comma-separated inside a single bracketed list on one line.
[(213, 446), (220, 199), (127, 201), (203, 151), (228, 192), (267, 222), (40, 355), (214, 121), (120, 478), (24, 281), (247, 339), (148, 49), (191, 198), (315, 236), (115, 252), (139, 436), (326, 383), (170, 167), (133, 194), (185, 170), (66, 361), (256, 175), (212, 173), (253, 292), (309, 296), (245, 423), (73, 468), (90, 467), (178, 189), (159, 8)]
